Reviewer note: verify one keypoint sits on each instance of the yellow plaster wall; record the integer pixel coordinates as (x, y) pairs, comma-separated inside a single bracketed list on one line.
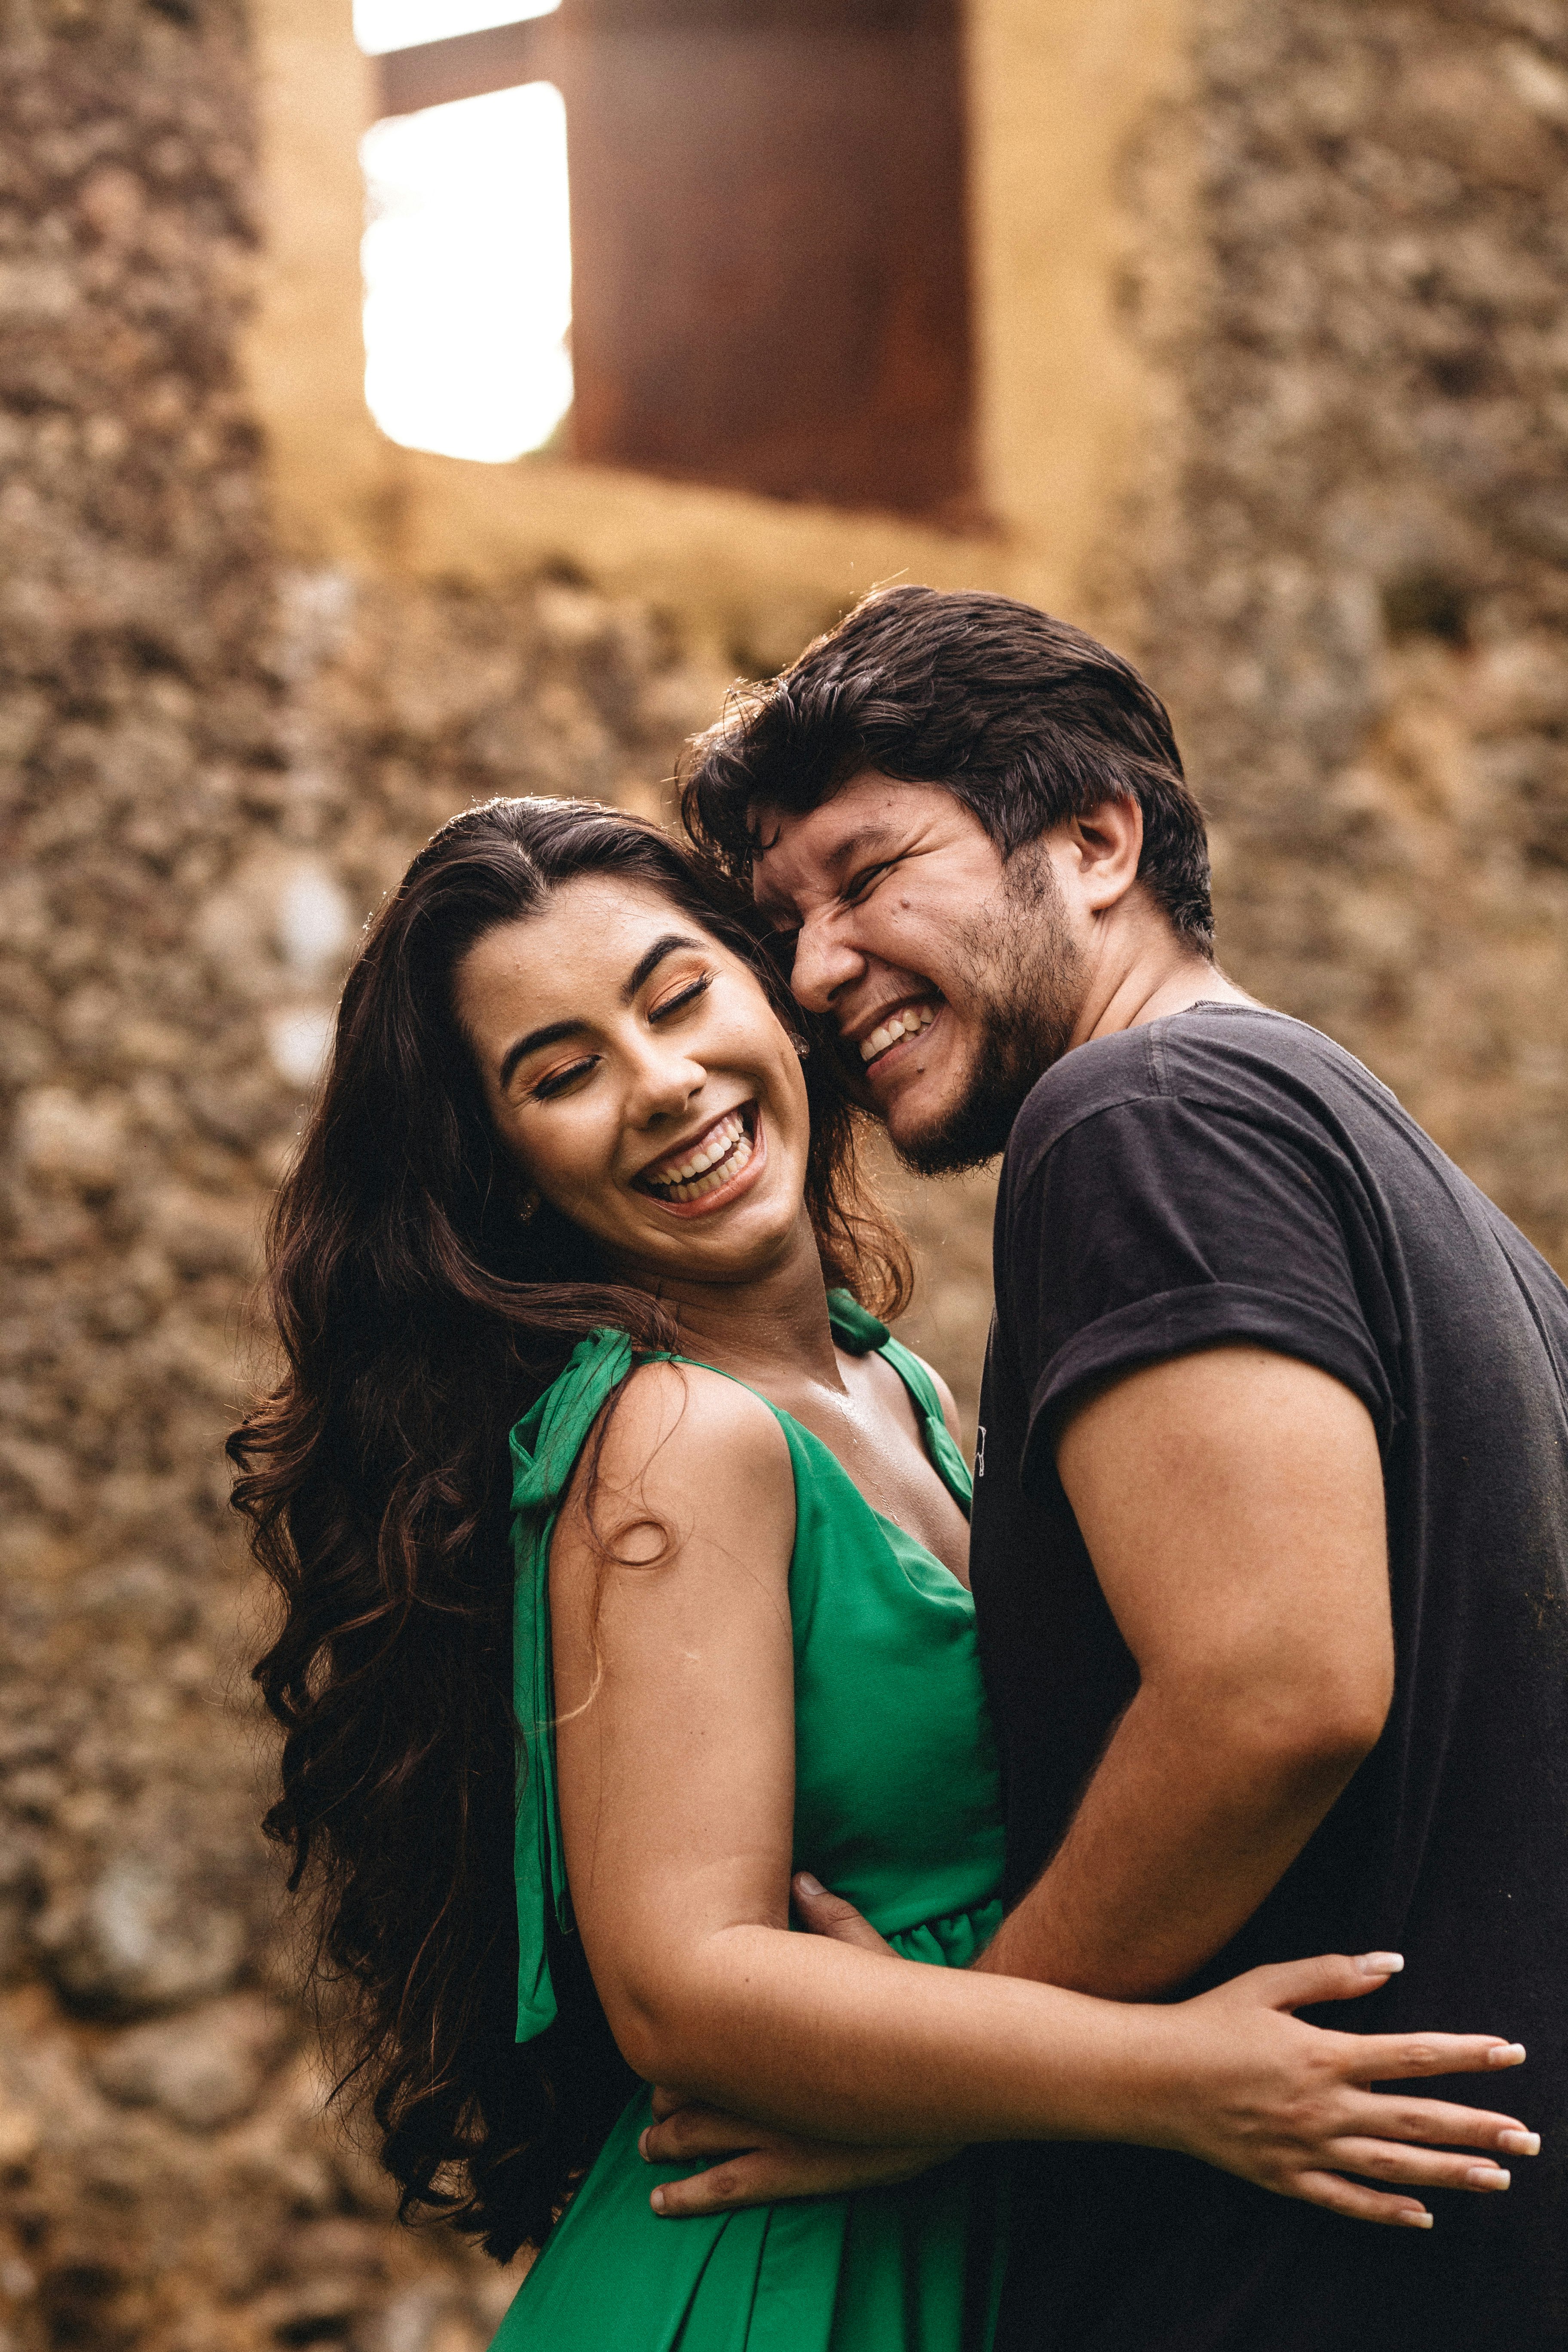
[(1057, 89)]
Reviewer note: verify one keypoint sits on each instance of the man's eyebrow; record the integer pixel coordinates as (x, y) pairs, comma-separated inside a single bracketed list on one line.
[(855, 844), (844, 854), (555, 1031), (850, 848)]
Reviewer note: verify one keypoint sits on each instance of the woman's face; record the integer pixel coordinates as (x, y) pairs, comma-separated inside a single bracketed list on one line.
[(641, 1081)]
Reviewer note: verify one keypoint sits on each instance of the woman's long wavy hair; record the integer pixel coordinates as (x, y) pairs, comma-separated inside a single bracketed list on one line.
[(418, 1317)]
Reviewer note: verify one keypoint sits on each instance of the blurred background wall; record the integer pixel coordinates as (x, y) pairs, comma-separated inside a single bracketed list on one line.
[(1234, 331)]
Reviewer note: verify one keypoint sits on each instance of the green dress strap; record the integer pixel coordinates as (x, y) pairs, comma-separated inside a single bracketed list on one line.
[(545, 1445), (859, 1332)]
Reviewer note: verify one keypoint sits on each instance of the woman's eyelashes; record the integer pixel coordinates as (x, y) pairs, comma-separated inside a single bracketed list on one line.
[(557, 1081), (686, 994)]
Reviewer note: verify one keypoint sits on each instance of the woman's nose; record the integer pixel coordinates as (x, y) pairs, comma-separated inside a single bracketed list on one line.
[(822, 963), (664, 1083)]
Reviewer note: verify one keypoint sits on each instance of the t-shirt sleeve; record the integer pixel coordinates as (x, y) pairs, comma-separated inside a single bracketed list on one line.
[(1158, 1227)]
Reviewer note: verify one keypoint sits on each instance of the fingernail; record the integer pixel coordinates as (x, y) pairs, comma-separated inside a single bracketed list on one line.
[(1417, 2221), (1507, 2053), (657, 2200), (1520, 2143), (807, 1884), (1380, 1964), (642, 2143), (1486, 2176)]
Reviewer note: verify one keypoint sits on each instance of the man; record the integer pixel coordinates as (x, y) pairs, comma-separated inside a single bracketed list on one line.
[(1270, 1536)]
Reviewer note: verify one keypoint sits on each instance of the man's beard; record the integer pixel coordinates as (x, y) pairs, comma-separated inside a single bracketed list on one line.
[(1026, 982)]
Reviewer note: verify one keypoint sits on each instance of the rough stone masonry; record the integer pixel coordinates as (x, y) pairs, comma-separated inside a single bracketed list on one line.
[(212, 773), (1353, 552), (1354, 282)]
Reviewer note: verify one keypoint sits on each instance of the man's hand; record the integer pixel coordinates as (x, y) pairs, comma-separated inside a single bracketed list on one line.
[(758, 2165)]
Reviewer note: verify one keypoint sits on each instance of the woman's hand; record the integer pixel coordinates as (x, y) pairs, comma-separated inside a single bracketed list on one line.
[(1289, 2106), (1236, 2079)]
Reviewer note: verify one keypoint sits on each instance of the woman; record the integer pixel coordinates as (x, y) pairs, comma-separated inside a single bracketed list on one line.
[(573, 1170)]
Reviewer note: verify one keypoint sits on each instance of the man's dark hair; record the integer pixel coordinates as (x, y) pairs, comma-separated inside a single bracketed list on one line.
[(1024, 719)]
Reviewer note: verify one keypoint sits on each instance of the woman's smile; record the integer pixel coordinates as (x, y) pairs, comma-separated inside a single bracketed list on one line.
[(714, 1168), (641, 1081)]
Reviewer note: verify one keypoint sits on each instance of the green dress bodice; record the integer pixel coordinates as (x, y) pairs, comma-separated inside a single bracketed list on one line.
[(897, 1807)]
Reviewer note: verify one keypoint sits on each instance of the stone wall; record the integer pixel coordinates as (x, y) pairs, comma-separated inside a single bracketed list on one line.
[(1350, 582), (212, 771), (140, 752), (1354, 583)]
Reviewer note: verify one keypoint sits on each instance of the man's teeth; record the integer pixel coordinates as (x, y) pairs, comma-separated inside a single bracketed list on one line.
[(723, 1151), (908, 1023)]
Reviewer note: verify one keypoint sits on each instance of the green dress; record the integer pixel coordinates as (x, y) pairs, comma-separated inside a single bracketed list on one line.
[(897, 1807)]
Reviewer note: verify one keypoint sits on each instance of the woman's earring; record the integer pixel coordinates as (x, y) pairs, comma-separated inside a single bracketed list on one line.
[(801, 1046), (527, 1208)]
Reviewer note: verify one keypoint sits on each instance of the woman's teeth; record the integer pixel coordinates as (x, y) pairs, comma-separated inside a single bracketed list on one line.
[(723, 1151), (908, 1023)]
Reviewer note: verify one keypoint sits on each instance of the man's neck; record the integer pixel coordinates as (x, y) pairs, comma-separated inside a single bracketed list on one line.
[(1162, 978)]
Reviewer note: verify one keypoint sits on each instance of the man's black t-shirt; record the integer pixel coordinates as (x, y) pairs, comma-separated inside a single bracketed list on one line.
[(1229, 1175)]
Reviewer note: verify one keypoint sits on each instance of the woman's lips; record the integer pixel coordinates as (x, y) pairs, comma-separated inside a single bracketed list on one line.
[(743, 1178), (701, 1160)]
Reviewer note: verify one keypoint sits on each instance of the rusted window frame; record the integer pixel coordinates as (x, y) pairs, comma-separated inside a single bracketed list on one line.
[(792, 171)]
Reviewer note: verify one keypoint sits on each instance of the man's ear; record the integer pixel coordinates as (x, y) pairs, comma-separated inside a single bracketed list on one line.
[(1105, 845)]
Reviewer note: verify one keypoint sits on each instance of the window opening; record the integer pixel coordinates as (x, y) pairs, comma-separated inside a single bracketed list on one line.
[(768, 247), (467, 274), (381, 25)]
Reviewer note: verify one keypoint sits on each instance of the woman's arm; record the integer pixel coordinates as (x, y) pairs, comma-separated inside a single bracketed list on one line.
[(676, 1753)]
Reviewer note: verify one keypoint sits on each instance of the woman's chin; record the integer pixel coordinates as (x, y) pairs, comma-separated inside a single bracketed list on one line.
[(750, 1238), (740, 1232)]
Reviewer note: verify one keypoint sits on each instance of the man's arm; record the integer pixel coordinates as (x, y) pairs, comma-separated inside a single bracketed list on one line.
[(1231, 1504)]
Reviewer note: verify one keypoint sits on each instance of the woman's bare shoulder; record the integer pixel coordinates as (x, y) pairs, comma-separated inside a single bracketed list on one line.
[(689, 1408), (686, 1441)]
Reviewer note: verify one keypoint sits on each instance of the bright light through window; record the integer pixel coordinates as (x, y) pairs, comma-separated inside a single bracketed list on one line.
[(382, 24), (467, 273)]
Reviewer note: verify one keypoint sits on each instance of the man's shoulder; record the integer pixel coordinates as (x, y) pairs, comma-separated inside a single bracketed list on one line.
[(1241, 1060), (1090, 1078)]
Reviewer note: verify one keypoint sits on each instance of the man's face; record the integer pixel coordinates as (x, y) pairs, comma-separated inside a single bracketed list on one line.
[(954, 979)]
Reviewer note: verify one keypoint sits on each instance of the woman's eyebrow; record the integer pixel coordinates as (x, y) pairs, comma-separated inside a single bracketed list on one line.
[(649, 964), (555, 1031), (551, 1034)]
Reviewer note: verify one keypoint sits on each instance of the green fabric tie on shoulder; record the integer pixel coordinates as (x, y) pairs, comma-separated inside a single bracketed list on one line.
[(860, 1333), (545, 1444)]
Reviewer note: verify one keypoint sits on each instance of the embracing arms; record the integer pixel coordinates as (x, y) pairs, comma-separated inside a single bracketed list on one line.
[(674, 1666), (675, 1711)]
